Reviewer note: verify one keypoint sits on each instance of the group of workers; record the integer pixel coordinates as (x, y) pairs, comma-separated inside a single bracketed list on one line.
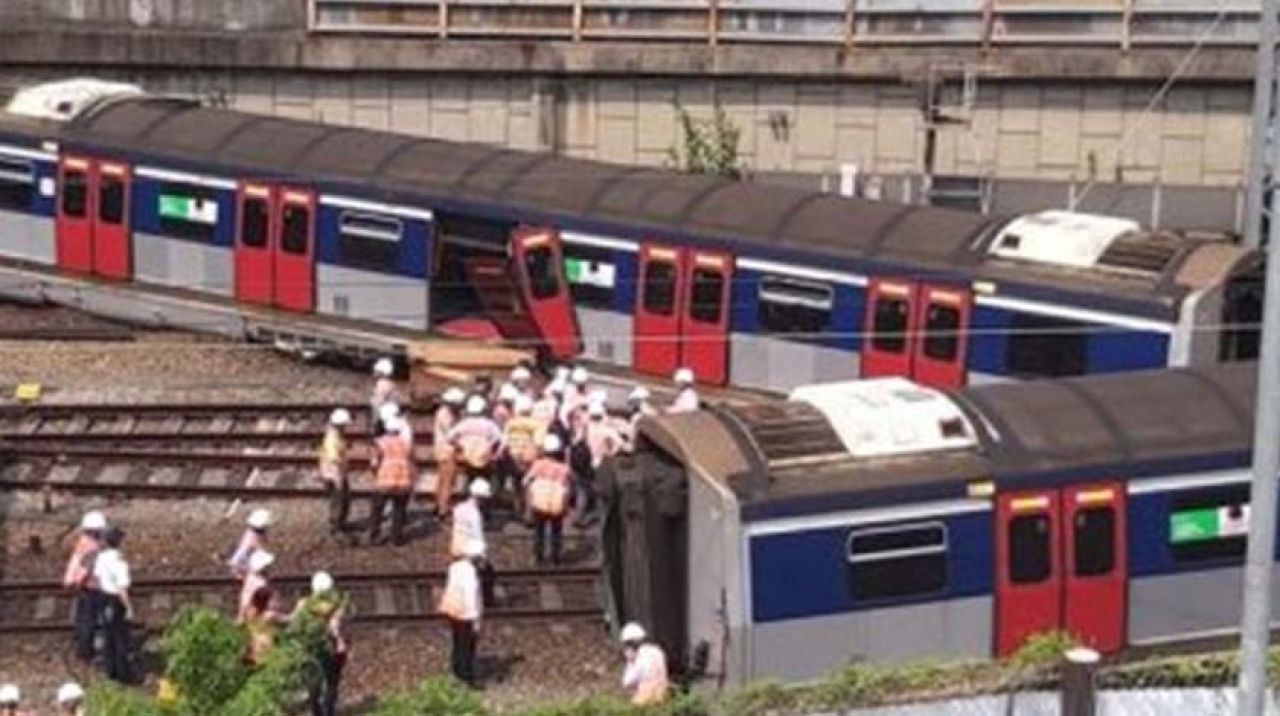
[(69, 700)]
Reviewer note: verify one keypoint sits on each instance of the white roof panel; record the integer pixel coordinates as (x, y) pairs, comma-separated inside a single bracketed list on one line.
[(1062, 238), (65, 99)]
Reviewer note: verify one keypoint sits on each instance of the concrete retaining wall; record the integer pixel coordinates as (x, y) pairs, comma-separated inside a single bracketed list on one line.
[(223, 15)]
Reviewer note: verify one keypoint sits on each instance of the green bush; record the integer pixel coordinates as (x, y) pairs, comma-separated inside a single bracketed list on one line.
[(108, 698), (434, 697), (204, 658)]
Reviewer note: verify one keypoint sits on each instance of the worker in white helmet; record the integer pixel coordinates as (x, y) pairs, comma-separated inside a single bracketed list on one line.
[(575, 394), (476, 439), (506, 405), (548, 483), (638, 406), (253, 539), (521, 437), (522, 381), (257, 579), (78, 577), (448, 413), (467, 532), (327, 606), (11, 701), (333, 470), (394, 477), (111, 570), (463, 604), (384, 391), (70, 699), (686, 400), (645, 677)]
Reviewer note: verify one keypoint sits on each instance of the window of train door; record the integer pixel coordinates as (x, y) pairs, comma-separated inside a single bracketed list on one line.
[(1096, 565), (889, 341), (657, 325), (1028, 568), (942, 350), (705, 335)]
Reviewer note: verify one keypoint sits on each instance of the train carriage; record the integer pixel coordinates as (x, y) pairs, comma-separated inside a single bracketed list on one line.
[(887, 521), (749, 284)]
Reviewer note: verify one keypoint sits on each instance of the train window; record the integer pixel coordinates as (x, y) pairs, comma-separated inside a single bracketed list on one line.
[(369, 241), (188, 211), (707, 296), (942, 332), (111, 200), (254, 222), (540, 267), (75, 194), (1209, 524), (789, 305), (1095, 541), (17, 183), (889, 324), (295, 229), (1241, 338), (897, 561), (1030, 561), (592, 275), (1045, 346), (660, 288)]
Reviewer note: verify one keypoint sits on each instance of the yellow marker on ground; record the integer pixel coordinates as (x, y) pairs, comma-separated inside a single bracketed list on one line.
[(27, 392)]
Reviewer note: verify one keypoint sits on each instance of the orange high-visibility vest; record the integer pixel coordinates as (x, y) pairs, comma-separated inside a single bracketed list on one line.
[(548, 487), (393, 464)]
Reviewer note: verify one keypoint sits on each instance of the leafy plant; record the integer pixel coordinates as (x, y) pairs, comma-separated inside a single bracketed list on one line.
[(434, 697), (111, 699), (707, 146), (204, 659)]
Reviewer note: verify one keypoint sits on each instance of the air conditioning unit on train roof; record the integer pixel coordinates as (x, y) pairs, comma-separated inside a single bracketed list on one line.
[(1060, 238), (66, 99), (889, 416)]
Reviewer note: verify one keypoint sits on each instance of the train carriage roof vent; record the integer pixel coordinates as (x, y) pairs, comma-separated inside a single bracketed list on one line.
[(1060, 238), (889, 416), (1144, 254), (66, 99)]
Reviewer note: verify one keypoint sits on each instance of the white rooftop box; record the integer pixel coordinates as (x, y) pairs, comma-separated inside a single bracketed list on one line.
[(1061, 238)]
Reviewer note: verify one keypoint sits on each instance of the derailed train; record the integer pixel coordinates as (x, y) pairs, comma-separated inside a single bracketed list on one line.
[(889, 521), (750, 284)]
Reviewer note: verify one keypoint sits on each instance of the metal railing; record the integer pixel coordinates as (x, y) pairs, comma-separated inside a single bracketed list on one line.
[(1107, 23)]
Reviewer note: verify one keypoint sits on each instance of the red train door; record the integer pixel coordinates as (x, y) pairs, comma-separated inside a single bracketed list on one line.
[(539, 268), (295, 262), (255, 239), (76, 206), (888, 334), (656, 327), (1061, 565), (942, 323), (704, 334), (1096, 565), (112, 248)]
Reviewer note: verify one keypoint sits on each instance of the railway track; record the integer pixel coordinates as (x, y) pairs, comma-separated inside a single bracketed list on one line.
[(561, 594)]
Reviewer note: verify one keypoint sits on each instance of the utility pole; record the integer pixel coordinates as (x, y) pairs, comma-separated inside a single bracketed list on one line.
[(1264, 87), (1255, 622)]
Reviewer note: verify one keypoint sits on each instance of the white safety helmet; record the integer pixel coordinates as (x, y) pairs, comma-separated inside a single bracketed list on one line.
[(595, 409), (551, 443), (394, 424), (562, 373), (480, 488), (523, 405), (638, 394), (632, 633), (579, 376), (520, 374), (476, 405), (260, 560), (454, 395), (70, 693), (508, 393), (93, 521), (259, 519), (684, 376), (556, 387), (340, 417), (384, 367), (388, 411), (10, 695), (473, 549), (321, 582)]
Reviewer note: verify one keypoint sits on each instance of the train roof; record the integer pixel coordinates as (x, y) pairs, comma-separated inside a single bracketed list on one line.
[(632, 202), (1040, 432)]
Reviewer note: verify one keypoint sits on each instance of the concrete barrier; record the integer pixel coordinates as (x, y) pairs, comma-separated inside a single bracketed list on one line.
[(205, 15)]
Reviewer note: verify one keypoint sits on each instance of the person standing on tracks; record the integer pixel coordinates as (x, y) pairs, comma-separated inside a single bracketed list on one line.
[(112, 573), (256, 579), (393, 470), (463, 605), (477, 440), (547, 408), (323, 613), (467, 533), (261, 620), (521, 380), (506, 405), (446, 416), (70, 699), (686, 400), (253, 540), (384, 391), (645, 677), (78, 577), (522, 436), (576, 394), (548, 484), (333, 470)]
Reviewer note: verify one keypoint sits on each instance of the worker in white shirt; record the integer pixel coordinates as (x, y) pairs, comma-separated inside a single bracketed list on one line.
[(638, 405), (575, 393), (477, 439), (463, 605), (78, 577), (467, 533), (521, 379), (391, 413), (447, 414), (259, 563), (70, 699), (686, 400), (112, 572), (384, 391), (11, 701), (253, 539), (645, 677)]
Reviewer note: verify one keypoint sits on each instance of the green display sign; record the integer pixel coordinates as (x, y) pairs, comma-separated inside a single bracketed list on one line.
[(590, 273), (1208, 523), (186, 208)]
